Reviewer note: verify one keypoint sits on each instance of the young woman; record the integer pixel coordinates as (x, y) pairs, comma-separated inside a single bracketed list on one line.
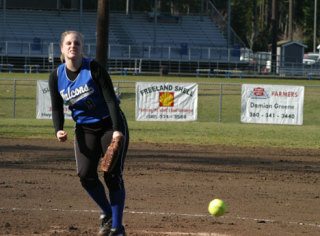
[(86, 88)]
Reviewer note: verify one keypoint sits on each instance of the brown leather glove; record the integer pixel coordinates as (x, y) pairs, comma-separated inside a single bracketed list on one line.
[(111, 156)]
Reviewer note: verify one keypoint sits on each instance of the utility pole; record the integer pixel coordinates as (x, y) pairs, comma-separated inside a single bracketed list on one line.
[(274, 24), (229, 31), (155, 22), (80, 15), (102, 32), (315, 26), (290, 32), (4, 31)]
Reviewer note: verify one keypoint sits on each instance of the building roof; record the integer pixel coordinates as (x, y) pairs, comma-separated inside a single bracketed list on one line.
[(285, 43)]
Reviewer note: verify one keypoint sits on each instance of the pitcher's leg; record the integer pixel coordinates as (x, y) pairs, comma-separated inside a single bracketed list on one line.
[(87, 153)]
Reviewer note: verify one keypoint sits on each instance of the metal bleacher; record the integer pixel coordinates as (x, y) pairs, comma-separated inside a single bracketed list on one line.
[(193, 30), (32, 31)]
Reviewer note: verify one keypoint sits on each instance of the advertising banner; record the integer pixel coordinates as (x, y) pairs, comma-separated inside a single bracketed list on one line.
[(272, 104), (43, 108), (166, 101)]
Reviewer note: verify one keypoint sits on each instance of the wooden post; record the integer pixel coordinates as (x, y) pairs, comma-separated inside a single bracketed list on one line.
[(102, 32)]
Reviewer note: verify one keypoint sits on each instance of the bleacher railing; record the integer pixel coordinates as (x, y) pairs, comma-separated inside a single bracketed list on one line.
[(28, 57), (116, 51)]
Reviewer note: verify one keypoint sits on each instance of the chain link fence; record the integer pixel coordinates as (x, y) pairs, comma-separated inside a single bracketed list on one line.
[(217, 102)]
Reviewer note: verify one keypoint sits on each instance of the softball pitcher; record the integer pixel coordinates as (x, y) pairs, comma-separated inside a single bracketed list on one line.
[(86, 88)]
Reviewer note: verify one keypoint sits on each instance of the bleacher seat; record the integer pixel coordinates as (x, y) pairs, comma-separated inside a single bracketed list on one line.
[(136, 30)]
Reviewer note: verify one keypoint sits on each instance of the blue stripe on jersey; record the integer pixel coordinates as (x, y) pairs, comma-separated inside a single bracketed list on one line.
[(82, 95)]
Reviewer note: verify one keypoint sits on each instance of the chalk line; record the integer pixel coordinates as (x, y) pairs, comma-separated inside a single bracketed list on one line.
[(165, 214)]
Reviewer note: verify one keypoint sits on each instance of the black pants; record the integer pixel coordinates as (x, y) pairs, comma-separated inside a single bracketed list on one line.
[(91, 142)]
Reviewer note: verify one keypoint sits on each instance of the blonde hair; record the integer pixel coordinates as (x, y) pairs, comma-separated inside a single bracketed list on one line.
[(64, 34)]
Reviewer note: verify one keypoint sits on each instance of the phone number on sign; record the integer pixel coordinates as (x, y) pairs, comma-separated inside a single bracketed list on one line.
[(271, 115), (167, 117)]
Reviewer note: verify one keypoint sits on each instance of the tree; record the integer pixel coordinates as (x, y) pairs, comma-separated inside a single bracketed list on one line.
[(251, 19), (308, 20), (242, 20)]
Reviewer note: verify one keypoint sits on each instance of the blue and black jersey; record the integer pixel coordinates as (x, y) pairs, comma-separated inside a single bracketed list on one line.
[(88, 92), (83, 97)]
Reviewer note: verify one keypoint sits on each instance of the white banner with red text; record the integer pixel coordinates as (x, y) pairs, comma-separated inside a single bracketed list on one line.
[(272, 104), (156, 101)]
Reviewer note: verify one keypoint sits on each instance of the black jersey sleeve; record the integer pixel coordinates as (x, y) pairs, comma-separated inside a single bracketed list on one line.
[(102, 78), (56, 102)]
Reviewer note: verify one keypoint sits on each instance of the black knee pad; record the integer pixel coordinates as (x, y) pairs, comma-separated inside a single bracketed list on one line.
[(114, 182), (89, 183)]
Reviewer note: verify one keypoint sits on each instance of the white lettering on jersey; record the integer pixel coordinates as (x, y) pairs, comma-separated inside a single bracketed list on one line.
[(72, 96)]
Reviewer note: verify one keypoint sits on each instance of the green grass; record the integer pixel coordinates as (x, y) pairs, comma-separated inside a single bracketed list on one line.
[(200, 133), (206, 131)]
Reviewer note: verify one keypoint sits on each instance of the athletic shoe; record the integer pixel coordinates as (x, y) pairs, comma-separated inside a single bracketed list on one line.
[(105, 226), (118, 232)]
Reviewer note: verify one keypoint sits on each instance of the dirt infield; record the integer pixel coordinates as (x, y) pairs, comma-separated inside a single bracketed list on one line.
[(268, 191)]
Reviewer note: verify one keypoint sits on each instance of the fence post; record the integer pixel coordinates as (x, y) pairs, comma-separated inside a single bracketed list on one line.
[(14, 97), (118, 93), (220, 103)]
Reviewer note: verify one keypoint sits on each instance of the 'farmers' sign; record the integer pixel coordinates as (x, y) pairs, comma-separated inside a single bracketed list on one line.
[(272, 104)]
